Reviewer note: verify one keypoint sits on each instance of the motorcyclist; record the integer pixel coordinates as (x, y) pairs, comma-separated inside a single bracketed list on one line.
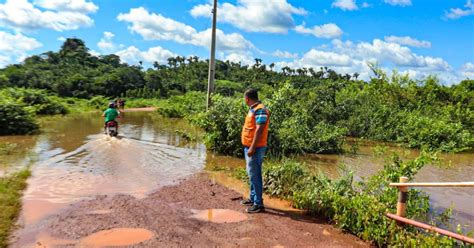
[(110, 115)]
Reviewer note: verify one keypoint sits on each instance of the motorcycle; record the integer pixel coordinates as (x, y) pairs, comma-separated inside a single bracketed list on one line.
[(111, 128)]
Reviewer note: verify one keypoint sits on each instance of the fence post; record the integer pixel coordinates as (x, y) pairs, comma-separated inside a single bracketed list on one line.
[(402, 197)]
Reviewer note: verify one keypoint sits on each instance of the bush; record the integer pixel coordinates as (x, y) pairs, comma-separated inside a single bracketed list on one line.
[(358, 208), (98, 102), (15, 119), (54, 106), (435, 134), (223, 125), (183, 105), (297, 125), (228, 88), (38, 101), (292, 129), (283, 179)]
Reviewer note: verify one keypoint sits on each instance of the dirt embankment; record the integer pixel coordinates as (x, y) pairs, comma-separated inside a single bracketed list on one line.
[(171, 217)]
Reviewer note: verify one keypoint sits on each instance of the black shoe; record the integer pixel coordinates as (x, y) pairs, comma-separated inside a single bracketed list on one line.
[(255, 209), (246, 202)]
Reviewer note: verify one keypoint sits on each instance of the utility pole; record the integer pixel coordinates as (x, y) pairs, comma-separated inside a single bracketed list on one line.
[(212, 60)]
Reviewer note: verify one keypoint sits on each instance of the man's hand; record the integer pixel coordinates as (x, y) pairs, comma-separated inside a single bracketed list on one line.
[(251, 151)]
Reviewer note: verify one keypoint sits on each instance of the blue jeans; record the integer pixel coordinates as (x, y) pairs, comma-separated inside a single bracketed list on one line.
[(254, 171)]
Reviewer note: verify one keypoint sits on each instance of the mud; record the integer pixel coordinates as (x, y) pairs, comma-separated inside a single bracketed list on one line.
[(166, 217)]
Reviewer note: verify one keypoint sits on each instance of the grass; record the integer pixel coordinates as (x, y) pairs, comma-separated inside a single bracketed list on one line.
[(142, 103), (11, 188), (7, 148)]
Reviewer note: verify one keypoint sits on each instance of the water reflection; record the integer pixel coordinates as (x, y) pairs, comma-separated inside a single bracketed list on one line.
[(76, 161)]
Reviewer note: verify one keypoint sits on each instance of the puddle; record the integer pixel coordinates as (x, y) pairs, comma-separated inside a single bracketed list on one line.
[(105, 238), (45, 241), (116, 237), (219, 215)]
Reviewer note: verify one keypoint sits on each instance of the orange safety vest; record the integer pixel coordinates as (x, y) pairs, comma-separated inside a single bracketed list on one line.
[(250, 126)]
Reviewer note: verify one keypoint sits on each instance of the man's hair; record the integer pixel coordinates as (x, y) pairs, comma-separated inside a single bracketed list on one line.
[(251, 94)]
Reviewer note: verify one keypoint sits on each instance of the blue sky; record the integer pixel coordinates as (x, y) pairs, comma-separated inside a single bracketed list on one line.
[(418, 37)]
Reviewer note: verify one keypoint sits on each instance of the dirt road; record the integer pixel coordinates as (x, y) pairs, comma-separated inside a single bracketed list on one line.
[(171, 217)]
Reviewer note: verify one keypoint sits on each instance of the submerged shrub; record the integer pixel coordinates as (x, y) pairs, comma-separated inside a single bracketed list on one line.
[(39, 101), (15, 119), (435, 134)]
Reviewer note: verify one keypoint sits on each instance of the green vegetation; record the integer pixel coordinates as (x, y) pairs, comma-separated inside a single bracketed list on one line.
[(182, 106), (15, 119), (312, 110), (358, 207), (7, 148), (11, 188)]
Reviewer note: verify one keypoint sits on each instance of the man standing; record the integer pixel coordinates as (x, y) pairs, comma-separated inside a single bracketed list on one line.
[(254, 139)]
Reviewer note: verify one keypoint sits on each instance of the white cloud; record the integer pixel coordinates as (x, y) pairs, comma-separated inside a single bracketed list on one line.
[(399, 2), (456, 13), (14, 47), (61, 38), (80, 6), (408, 41), (94, 53), (285, 54), (153, 26), (244, 58), (273, 16), (345, 5), (468, 67), (106, 44), (392, 53), (350, 57), (327, 31), (323, 58), (366, 5), (22, 15), (133, 55), (467, 70)]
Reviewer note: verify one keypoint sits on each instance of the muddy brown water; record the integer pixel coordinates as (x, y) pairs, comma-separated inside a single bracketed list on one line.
[(72, 160)]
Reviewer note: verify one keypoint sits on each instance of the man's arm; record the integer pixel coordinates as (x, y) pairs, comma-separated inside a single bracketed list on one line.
[(258, 134), (260, 120)]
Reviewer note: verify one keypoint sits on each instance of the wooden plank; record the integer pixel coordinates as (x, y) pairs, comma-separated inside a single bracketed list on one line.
[(430, 228), (439, 184)]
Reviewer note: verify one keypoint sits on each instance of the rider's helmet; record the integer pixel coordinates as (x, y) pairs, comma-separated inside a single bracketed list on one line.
[(111, 105)]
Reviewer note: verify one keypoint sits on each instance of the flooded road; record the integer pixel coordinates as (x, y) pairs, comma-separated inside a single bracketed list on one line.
[(72, 160)]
